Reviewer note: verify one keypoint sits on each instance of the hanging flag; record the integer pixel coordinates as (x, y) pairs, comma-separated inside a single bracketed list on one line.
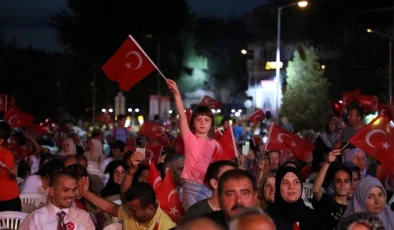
[(104, 118), (257, 116), (16, 118), (376, 139), (154, 178), (128, 65), (153, 151), (349, 97)]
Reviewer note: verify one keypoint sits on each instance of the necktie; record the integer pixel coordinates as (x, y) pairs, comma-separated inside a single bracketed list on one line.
[(60, 223), (295, 226)]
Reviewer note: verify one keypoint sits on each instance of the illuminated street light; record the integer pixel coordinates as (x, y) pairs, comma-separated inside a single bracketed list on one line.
[(369, 31), (110, 110), (213, 111), (218, 111), (170, 111), (244, 51), (239, 110), (302, 3), (130, 110), (233, 110), (323, 67), (103, 110), (137, 110)]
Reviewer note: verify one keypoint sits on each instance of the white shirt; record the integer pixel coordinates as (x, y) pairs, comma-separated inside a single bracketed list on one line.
[(33, 184), (35, 164), (46, 218)]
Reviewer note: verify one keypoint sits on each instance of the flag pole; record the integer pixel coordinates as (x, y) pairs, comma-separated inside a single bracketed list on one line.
[(268, 138), (234, 145), (142, 50)]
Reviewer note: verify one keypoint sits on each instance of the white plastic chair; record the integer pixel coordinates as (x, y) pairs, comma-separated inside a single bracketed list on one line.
[(113, 197), (307, 191), (11, 220), (118, 202), (33, 198), (114, 226)]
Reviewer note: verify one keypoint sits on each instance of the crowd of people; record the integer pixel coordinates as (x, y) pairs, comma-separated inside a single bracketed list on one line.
[(87, 186)]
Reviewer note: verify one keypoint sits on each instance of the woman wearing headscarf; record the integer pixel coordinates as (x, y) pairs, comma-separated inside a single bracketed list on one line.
[(95, 153), (370, 196), (68, 148), (358, 157), (267, 191), (116, 170), (289, 211)]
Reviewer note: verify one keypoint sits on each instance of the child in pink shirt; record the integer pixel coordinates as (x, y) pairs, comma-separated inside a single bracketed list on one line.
[(199, 147)]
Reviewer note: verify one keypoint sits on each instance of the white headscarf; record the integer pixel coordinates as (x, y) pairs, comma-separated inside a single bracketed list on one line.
[(72, 151), (95, 154)]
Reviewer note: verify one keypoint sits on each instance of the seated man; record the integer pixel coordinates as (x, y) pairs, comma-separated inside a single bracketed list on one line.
[(141, 210), (59, 212)]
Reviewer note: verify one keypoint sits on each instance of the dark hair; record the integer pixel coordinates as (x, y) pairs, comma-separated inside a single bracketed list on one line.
[(224, 120), (127, 155), (364, 218), (81, 158), (235, 174), (77, 170), (142, 192), (54, 179), (170, 157), (5, 131), (341, 168), (203, 111), (19, 138), (50, 167), (359, 110), (117, 145), (120, 117), (214, 168), (291, 162), (272, 151)]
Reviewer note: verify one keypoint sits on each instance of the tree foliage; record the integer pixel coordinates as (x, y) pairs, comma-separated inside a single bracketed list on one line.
[(306, 100)]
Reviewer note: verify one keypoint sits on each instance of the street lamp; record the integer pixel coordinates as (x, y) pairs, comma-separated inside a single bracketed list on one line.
[(244, 51), (300, 4), (390, 61)]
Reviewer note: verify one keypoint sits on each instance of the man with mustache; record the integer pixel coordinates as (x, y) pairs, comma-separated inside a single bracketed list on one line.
[(237, 191)]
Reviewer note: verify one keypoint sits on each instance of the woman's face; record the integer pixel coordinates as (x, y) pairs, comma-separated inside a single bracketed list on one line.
[(269, 190), (359, 160), (355, 179), (274, 160), (119, 174), (331, 126), (66, 146), (376, 200), (290, 188)]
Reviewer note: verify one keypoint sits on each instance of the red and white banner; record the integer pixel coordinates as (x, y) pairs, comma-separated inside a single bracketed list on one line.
[(210, 102)]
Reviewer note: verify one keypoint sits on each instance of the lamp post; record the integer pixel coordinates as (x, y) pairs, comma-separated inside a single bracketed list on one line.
[(277, 76), (390, 62)]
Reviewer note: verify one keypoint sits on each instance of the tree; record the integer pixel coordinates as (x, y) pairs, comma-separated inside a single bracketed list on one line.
[(306, 101)]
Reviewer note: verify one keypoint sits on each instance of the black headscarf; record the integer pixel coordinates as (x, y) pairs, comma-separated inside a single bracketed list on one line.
[(285, 214), (112, 188)]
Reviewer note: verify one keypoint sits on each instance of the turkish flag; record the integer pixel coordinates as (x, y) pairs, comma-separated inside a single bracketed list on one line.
[(376, 139), (3, 102), (226, 148), (128, 65), (104, 118), (169, 199), (257, 140), (154, 178), (179, 145), (210, 102), (282, 139), (218, 134), (369, 103), (155, 132), (257, 116), (349, 97), (386, 177), (153, 151), (387, 111), (16, 118)]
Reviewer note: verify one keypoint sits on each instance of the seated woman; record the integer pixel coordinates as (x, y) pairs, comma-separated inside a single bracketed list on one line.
[(116, 170), (289, 210), (370, 196)]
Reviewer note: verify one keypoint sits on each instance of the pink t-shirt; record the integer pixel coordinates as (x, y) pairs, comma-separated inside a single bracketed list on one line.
[(198, 156)]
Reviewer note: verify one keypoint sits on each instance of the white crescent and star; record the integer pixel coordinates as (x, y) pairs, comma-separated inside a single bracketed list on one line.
[(209, 101), (173, 211), (138, 55), (10, 120), (280, 136), (371, 133), (158, 130)]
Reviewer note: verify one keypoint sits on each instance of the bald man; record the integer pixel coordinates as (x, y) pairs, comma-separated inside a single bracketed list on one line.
[(200, 223), (252, 219)]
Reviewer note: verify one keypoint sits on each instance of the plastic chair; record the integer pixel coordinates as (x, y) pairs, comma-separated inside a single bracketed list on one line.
[(33, 198), (114, 226), (28, 208), (307, 191), (11, 220)]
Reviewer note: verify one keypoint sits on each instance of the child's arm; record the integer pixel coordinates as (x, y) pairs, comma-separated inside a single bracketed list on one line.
[(184, 126)]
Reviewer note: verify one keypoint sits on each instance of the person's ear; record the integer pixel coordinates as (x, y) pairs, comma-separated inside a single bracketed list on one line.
[(51, 191), (213, 183)]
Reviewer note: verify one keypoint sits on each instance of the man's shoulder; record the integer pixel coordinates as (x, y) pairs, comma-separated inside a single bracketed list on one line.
[(198, 205)]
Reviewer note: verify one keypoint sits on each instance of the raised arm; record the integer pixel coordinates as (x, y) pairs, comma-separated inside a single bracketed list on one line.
[(135, 159), (316, 189), (107, 206), (184, 126)]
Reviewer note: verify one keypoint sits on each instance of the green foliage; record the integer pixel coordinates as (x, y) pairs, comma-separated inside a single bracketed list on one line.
[(306, 101)]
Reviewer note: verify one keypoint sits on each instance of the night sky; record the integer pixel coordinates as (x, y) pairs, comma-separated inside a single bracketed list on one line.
[(224, 7)]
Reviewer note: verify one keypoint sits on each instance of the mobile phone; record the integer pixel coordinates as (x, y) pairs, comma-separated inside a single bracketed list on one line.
[(245, 147), (140, 145)]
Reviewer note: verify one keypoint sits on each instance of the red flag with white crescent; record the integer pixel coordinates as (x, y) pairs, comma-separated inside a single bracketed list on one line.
[(169, 199), (349, 97), (17, 118), (210, 102), (154, 178), (153, 151), (128, 65), (226, 148), (257, 116), (376, 139), (282, 139), (104, 118)]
